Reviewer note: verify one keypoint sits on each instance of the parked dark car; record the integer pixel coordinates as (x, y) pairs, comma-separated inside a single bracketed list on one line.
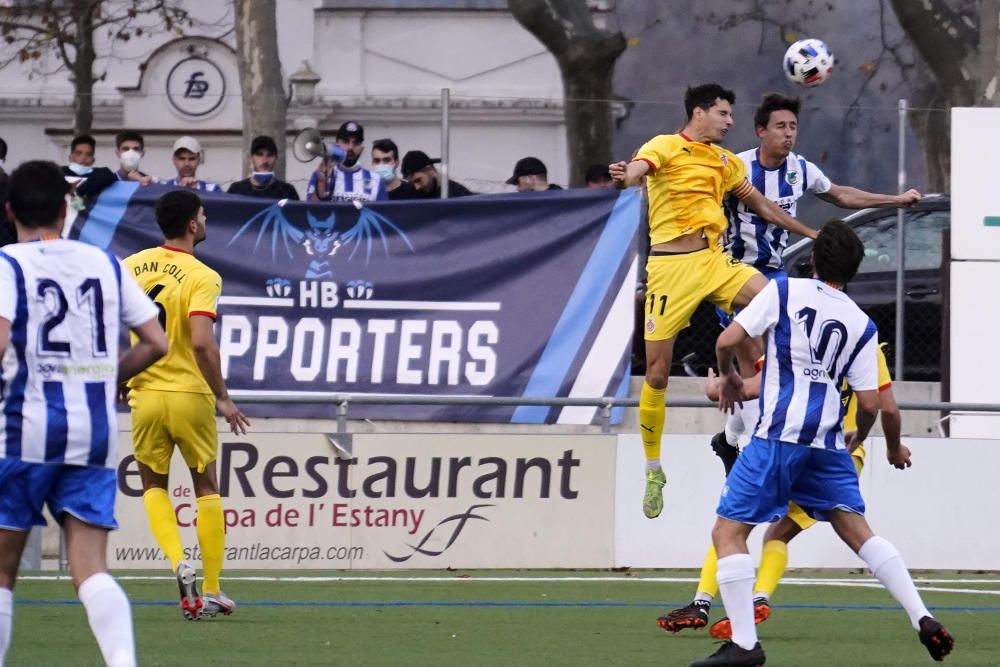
[(874, 289)]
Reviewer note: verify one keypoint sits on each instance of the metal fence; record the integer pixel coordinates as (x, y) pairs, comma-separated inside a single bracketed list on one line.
[(340, 403)]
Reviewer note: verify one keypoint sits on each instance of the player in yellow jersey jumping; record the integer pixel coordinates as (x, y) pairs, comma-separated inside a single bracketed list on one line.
[(174, 401), (687, 175), (774, 557)]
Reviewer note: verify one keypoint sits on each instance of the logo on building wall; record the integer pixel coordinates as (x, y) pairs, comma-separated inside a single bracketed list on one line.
[(196, 87)]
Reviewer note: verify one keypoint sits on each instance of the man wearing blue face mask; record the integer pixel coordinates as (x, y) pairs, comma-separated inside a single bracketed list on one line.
[(385, 164), (82, 151), (262, 182)]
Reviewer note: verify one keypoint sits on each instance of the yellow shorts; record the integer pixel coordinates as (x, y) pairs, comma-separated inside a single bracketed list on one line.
[(676, 284), (162, 420), (798, 515)]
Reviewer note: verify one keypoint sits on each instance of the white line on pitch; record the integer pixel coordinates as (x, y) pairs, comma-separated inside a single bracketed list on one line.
[(795, 581)]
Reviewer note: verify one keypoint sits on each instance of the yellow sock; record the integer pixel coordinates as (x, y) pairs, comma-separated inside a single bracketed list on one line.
[(212, 538), (163, 524), (652, 414), (773, 561), (709, 582)]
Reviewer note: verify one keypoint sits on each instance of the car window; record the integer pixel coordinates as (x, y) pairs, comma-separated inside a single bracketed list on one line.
[(923, 241)]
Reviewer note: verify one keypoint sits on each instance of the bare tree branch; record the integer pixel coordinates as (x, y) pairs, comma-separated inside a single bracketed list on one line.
[(586, 56)]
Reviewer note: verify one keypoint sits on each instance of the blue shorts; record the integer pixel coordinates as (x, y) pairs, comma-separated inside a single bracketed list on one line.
[(725, 319), (84, 492), (768, 474)]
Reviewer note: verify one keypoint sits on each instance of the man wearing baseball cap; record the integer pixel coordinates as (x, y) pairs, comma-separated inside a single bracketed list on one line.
[(530, 175), (262, 182), (418, 168), (346, 180), (187, 158)]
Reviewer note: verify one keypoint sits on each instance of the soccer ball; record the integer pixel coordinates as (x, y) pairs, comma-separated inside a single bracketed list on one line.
[(808, 62)]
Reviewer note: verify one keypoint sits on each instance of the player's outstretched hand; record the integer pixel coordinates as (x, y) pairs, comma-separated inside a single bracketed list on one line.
[(730, 392), (712, 385), (899, 457), (909, 198), (617, 171), (238, 421), (851, 440)]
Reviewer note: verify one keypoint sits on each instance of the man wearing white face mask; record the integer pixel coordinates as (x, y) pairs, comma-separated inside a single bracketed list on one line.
[(385, 164), (82, 150), (130, 147), (262, 183)]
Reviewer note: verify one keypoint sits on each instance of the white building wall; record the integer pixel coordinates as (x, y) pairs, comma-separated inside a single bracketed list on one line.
[(381, 67)]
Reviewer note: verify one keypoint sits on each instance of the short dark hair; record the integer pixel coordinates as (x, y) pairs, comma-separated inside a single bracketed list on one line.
[(704, 97), (837, 253), (772, 102), (37, 193), (3, 149), (263, 143), (387, 146), (129, 135), (83, 139), (174, 210)]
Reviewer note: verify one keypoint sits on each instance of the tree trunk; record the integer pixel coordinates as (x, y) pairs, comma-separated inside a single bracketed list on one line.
[(83, 67), (954, 69), (264, 102), (586, 56)]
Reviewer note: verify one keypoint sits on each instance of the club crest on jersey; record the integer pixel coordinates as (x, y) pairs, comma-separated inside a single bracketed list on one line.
[(792, 177), (725, 160), (650, 325)]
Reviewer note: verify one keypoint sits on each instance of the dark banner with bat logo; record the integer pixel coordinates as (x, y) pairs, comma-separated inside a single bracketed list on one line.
[(501, 295)]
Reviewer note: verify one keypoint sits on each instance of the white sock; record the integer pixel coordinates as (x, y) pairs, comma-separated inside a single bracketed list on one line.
[(886, 564), (6, 620), (110, 619), (703, 597), (652, 464), (734, 426), (736, 577)]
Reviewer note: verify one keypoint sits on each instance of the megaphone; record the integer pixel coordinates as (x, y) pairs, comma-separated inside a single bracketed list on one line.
[(308, 145)]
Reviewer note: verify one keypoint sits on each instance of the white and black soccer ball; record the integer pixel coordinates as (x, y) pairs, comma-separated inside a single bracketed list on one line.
[(808, 62)]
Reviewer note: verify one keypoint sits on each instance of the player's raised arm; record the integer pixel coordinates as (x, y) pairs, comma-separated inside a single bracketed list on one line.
[(206, 355), (626, 174), (770, 211), (845, 196)]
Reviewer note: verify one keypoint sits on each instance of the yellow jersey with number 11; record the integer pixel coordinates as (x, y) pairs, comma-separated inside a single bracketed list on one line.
[(687, 181), (181, 287)]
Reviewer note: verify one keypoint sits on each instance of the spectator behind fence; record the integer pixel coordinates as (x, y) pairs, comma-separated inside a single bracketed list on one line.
[(130, 148), (187, 157), (346, 180), (262, 182), (598, 176), (82, 154), (530, 175), (419, 170), (8, 234), (385, 163)]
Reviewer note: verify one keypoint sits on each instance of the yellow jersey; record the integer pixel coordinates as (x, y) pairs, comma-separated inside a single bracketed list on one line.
[(851, 405), (180, 286), (687, 182)]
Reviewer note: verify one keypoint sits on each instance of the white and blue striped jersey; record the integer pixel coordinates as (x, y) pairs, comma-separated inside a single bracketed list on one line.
[(753, 240), (345, 184), (202, 186), (64, 300), (816, 337)]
